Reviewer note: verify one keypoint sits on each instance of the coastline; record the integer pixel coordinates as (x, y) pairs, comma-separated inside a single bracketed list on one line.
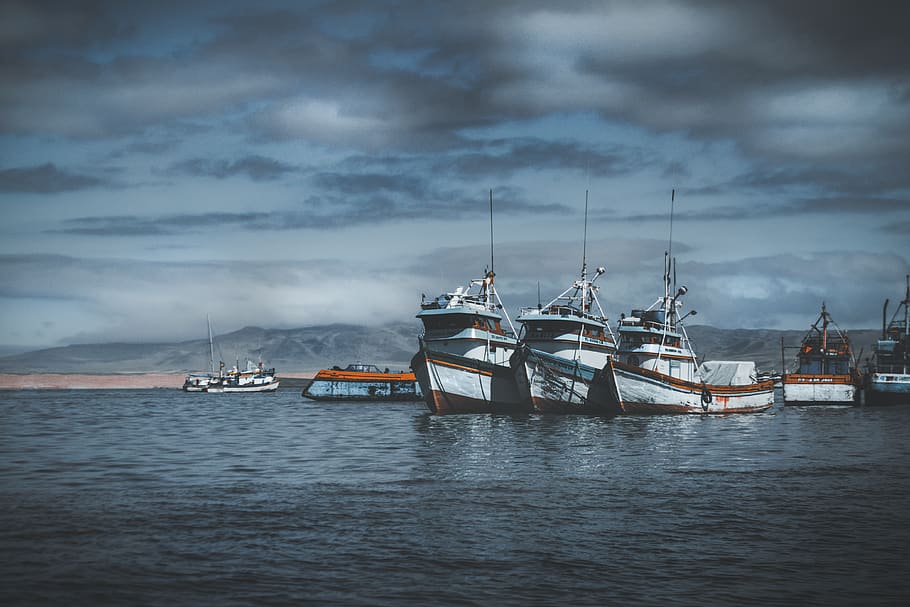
[(87, 381)]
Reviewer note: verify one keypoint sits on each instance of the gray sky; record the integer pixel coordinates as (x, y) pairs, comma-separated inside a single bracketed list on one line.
[(286, 164)]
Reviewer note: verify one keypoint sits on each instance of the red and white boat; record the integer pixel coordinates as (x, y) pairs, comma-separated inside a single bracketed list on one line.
[(826, 371)]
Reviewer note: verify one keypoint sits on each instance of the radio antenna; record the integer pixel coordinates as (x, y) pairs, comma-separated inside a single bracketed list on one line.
[(491, 230)]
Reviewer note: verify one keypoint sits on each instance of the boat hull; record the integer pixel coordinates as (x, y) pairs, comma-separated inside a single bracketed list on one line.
[(804, 389), (456, 384), (363, 389), (887, 389), (265, 387), (642, 392), (552, 384)]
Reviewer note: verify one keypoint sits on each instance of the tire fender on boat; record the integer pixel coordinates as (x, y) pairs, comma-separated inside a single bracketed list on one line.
[(706, 397)]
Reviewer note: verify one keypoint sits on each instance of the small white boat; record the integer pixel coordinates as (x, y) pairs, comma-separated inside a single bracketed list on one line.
[(204, 382), (254, 378)]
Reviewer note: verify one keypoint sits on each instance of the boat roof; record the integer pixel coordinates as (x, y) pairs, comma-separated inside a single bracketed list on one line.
[(559, 314), (459, 310)]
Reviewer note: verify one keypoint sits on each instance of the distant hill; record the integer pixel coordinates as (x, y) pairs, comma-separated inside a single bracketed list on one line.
[(288, 350), (311, 348)]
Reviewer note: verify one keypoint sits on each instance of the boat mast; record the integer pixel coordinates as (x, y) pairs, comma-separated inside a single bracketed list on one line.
[(906, 303), (584, 281), (491, 298), (824, 339), (491, 230), (667, 261), (584, 261), (211, 344)]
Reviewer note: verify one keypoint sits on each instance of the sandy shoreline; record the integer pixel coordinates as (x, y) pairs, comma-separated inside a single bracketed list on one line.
[(70, 381)]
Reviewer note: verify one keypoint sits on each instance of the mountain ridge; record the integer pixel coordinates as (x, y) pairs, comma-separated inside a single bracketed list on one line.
[(309, 349)]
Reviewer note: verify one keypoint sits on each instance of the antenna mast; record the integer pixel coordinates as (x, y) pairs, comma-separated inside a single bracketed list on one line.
[(491, 230), (584, 261)]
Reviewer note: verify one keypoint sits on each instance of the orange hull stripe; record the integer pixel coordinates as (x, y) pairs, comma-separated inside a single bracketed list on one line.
[(363, 376), (443, 363)]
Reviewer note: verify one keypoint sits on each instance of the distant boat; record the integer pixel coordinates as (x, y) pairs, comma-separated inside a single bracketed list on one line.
[(362, 382), (655, 370), (887, 381), (254, 378), (463, 362), (204, 382), (826, 368)]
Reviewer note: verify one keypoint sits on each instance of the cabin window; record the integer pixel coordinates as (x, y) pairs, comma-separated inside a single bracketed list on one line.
[(447, 323)]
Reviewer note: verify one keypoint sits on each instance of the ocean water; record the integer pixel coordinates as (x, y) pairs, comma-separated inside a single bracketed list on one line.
[(156, 497)]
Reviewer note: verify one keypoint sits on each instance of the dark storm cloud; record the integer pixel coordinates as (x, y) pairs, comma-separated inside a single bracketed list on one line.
[(777, 78), (344, 201), (358, 184), (45, 179), (833, 205), (257, 168), (505, 156)]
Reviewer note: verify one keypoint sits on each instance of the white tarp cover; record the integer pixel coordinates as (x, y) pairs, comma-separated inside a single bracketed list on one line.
[(727, 372)]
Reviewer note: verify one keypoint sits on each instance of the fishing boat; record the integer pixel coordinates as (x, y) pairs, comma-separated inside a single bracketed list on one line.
[(826, 371), (562, 346), (655, 369), (463, 362), (206, 381), (362, 382), (253, 378), (887, 381)]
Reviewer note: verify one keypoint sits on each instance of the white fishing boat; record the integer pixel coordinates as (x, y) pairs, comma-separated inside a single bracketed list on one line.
[(253, 378), (562, 346), (655, 369), (463, 362), (887, 381), (826, 368)]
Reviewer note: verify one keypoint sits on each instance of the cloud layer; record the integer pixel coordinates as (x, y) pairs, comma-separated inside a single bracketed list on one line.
[(131, 133)]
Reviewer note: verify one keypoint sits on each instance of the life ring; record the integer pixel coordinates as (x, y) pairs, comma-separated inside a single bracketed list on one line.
[(706, 398)]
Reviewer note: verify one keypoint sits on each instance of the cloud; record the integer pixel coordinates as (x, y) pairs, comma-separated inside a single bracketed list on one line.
[(123, 299), (45, 179), (257, 168)]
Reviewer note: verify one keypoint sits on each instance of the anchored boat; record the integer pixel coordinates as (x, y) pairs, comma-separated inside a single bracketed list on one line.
[(656, 371), (463, 362), (887, 380), (204, 382), (362, 382), (562, 347), (826, 371), (254, 378)]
